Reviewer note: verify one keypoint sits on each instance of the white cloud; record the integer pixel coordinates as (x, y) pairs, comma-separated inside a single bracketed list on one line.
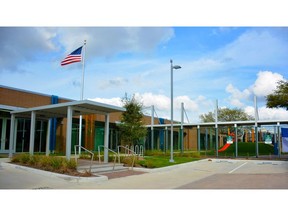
[(265, 83), (267, 113), (112, 101), (255, 47), (23, 45), (193, 108), (109, 41), (236, 95)]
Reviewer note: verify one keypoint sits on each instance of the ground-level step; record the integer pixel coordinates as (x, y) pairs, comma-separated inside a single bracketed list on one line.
[(84, 166)]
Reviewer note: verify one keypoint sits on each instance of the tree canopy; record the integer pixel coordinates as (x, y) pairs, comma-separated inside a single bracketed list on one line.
[(226, 115), (279, 98), (132, 127)]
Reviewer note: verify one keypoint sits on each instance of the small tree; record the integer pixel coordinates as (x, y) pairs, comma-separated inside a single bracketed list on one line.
[(132, 127), (279, 98)]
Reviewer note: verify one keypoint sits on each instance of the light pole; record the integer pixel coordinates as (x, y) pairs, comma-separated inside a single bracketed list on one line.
[(171, 150)]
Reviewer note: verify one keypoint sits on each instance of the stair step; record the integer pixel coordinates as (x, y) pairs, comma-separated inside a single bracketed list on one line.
[(102, 167)]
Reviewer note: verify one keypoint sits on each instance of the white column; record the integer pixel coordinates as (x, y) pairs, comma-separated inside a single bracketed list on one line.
[(106, 138), (198, 138), (152, 129), (68, 132), (12, 135), (181, 131), (216, 127), (236, 141), (32, 133), (48, 137)]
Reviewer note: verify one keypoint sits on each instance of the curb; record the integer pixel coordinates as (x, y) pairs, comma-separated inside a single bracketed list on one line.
[(76, 179)]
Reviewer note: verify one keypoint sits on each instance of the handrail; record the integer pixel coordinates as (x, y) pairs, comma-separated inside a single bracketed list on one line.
[(115, 154), (127, 149), (92, 155)]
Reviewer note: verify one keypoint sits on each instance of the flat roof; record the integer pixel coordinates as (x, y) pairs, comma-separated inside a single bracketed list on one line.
[(231, 123), (83, 107)]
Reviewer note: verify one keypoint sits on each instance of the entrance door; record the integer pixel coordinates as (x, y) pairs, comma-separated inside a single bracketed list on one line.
[(23, 135), (99, 137)]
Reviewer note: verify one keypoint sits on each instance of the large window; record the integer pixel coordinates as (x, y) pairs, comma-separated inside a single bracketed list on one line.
[(4, 134), (23, 136)]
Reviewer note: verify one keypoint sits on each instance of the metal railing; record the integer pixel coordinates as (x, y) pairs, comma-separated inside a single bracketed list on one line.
[(128, 152), (92, 154), (138, 149), (115, 154)]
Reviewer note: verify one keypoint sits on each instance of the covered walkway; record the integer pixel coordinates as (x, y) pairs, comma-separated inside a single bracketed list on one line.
[(61, 110)]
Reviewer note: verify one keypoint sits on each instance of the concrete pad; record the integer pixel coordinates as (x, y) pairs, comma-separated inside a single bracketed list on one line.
[(213, 173)]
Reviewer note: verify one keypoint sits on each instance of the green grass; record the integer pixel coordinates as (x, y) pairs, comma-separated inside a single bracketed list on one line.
[(248, 149), (163, 161), (157, 159)]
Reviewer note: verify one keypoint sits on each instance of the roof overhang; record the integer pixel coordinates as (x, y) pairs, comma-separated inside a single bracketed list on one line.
[(232, 123), (83, 107)]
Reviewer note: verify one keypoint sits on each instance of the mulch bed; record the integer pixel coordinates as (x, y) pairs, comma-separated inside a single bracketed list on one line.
[(112, 175)]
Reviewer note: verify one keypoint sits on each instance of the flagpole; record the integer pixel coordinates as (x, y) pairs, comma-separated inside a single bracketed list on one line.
[(81, 95)]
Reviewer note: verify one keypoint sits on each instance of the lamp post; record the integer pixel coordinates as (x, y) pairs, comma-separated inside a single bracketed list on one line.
[(171, 150)]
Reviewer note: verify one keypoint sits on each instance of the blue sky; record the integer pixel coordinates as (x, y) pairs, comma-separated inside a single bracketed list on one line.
[(224, 55), (230, 64)]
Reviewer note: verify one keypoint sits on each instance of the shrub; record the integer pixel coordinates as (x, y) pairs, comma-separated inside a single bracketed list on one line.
[(21, 158), (49, 163)]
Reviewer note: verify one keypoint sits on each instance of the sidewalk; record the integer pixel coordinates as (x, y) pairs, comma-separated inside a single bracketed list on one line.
[(213, 173)]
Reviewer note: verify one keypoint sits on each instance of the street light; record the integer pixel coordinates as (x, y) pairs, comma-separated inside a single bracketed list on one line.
[(172, 67)]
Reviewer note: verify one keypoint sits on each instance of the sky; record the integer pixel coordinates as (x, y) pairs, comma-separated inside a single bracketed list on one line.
[(226, 63)]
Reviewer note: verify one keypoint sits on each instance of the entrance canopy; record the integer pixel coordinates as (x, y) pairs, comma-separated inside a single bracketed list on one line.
[(83, 107), (62, 110)]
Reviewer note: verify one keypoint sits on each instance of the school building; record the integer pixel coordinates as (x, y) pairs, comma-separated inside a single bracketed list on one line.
[(41, 123), (50, 127)]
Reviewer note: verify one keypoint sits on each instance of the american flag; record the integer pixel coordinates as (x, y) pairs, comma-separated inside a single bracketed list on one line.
[(73, 57)]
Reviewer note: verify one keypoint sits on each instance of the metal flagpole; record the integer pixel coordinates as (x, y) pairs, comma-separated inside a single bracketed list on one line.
[(81, 95)]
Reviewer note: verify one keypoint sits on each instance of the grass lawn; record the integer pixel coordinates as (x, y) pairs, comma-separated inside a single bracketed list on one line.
[(163, 161), (248, 149), (157, 159)]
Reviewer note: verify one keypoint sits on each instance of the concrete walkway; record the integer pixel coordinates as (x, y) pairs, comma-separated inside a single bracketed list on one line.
[(203, 174)]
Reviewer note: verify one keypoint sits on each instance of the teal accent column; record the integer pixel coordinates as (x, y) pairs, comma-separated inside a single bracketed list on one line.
[(180, 140)]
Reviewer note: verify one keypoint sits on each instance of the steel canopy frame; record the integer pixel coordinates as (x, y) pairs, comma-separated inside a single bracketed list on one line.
[(66, 110), (260, 123)]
